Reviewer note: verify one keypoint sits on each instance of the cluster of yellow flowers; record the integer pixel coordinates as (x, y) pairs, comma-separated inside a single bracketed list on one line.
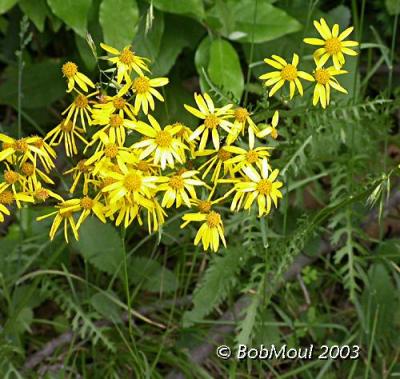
[(333, 45), (162, 166)]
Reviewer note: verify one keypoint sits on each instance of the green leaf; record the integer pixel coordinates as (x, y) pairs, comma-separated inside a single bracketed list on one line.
[(224, 68), (201, 59), (393, 7), (37, 11), (5, 5), (241, 21), (101, 245), (105, 306), (35, 85), (85, 52), (194, 8), (152, 275), (218, 280), (72, 12), (180, 32), (119, 20)]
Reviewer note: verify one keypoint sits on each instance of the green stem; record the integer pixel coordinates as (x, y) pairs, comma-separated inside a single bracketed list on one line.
[(126, 282)]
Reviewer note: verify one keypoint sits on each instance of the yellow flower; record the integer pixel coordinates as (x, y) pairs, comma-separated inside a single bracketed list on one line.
[(114, 125), (155, 216), (126, 61), (11, 179), (217, 164), (270, 129), (180, 189), (23, 149), (325, 79), (287, 72), (66, 131), (86, 205), (162, 143), (46, 158), (250, 157), (260, 186), (80, 170), (242, 120), (210, 231), (333, 44), (80, 107), (183, 135), (41, 194), (32, 177), (7, 198), (112, 104), (62, 215), (70, 71), (213, 119), (144, 89)]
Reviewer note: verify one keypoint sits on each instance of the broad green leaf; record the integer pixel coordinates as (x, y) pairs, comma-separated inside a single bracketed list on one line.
[(72, 12), (201, 59), (85, 52), (5, 5), (147, 43), (194, 8), (241, 21), (224, 68), (119, 20), (393, 7), (152, 275), (105, 306), (35, 85), (101, 245), (180, 32), (37, 11)]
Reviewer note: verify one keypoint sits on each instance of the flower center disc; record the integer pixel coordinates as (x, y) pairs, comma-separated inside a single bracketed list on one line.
[(21, 146), (213, 219), (66, 127), (264, 186), (28, 169), (81, 101), (116, 121), (241, 114), (87, 202), (42, 194), (111, 150), (333, 46), (141, 84), (11, 177), (211, 121), (69, 69), (252, 156), (6, 198), (289, 72), (204, 206), (127, 56), (223, 155), (176, 182), (133, 182), (119, 103), (163, 139), (322, 76)]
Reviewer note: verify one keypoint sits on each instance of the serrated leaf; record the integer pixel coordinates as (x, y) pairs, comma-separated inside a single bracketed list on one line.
[(72, 12), (224, 68), (37, 11), (119, 20), (101, 245), (6, 5)]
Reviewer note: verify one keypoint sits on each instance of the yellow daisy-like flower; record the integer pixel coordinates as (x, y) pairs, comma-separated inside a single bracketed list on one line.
[(184, 134), (62, 216), (80, 170), (261, 186), (70, 71), (81, 106), (126, 61), (144, 89), (333, 44), (180, 189), (7, 198), (242, 121), (210, 231), (162, 143), (112, 104), (33, 177), (218, 164), (12, 179), (155, 216), (115, 125), (287, 72), (251, 156), (325, 79), (46, 158), (270, 129), (67, 132), (213, 119), (41, 194), (21, 149)]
